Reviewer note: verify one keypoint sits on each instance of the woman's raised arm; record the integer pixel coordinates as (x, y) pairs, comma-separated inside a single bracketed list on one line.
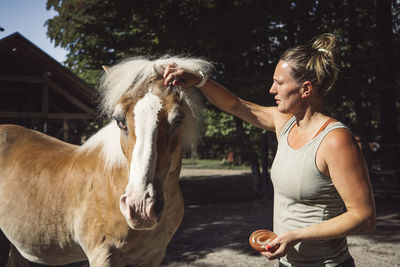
[(268, 118)]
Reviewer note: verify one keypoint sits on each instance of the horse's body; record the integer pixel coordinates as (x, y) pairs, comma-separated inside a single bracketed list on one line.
[(116, 199)]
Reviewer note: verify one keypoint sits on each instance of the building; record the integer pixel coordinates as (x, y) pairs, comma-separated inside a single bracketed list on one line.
[(39, 93)]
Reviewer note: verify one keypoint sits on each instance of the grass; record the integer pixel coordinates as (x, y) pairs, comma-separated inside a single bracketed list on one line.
[(210, 164)]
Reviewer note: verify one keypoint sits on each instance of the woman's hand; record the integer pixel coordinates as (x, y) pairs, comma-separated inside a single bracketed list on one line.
[(280, 245), (176, 76)]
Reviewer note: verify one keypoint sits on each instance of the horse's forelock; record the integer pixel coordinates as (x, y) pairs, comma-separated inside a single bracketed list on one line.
[(192, 105), (120, 79), (133, 74)]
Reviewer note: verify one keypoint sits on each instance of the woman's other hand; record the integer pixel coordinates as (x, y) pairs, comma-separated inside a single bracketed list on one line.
[(280, 246)]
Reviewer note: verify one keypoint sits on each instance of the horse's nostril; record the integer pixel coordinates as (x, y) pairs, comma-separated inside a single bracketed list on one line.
[(147, 195)]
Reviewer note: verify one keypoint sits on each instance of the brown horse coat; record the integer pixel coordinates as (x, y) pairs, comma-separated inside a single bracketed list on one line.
[(116, 199)]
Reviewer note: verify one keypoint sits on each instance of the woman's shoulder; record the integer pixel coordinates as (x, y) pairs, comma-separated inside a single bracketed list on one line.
[(338, 149), (339, 140)]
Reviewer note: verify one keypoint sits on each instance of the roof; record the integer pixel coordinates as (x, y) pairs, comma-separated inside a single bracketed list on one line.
[(34, 84)]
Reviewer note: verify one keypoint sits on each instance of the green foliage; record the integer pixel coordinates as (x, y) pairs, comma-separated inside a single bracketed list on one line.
[(218, 124), (244, 39), (103, 32)]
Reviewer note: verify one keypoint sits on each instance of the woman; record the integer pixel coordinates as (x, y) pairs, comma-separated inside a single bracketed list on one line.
[(322, 191)]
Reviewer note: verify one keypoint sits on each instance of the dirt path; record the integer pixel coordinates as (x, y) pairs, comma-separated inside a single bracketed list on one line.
[(217, 224)]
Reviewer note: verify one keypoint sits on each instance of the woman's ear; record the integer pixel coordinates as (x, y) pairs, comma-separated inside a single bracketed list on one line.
[(306, 89)]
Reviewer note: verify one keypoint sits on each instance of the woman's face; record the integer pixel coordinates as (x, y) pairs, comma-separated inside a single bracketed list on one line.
[(286, 90)]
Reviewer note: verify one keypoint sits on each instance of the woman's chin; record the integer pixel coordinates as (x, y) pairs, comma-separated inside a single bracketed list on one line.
[(282, 109)]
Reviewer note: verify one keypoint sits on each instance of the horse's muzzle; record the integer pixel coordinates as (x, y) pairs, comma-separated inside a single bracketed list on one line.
[(141, 213)]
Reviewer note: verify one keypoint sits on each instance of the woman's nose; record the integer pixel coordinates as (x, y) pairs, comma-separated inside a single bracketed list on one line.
[(272, 90)]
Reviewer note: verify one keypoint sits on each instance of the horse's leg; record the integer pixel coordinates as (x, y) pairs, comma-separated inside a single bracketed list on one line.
[(100, 263), (4, 249), (157, 259), (156, 262), (113, 260), (15, 259), (104, 258), (100, 257)]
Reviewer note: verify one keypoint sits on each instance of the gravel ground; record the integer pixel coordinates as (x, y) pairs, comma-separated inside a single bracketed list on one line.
[(221, 213)]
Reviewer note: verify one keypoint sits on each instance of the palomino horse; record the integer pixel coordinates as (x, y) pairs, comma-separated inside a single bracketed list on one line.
[(115, 200)]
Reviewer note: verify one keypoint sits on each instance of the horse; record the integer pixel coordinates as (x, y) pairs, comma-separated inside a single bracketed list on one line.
[(115, 200)]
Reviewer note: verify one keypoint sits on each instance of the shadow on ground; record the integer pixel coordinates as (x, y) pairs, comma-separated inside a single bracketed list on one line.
[(387, 221), (220, 213), (211, 227), (217, 189)]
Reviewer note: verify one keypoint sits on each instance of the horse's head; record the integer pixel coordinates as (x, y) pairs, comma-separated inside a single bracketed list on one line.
[(155, 123), (151, 142)]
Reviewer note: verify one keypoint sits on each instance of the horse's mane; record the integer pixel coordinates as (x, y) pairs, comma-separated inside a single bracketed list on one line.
[(132, 74)]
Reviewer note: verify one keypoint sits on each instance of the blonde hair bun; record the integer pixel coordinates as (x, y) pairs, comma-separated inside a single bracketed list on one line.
[(315, 62), (326, 43)]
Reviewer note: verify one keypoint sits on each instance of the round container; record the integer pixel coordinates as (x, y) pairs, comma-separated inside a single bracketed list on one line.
[(258, 239)]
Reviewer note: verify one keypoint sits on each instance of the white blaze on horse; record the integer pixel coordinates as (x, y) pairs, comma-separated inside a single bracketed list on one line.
[(114, 200)]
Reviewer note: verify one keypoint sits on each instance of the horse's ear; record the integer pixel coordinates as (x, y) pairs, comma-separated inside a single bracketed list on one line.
[(106, 69)]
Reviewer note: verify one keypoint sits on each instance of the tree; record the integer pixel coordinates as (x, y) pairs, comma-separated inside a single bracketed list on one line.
[(385, 79), (244, 39)]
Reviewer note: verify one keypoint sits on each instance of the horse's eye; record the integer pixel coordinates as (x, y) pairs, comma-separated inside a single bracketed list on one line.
[(179, 118), (121, 122), (176, 122)]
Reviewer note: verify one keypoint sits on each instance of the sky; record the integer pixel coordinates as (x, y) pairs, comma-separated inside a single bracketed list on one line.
[(28, 17)]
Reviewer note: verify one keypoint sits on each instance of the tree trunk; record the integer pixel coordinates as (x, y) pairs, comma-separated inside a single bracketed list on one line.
[(267, 188), (385, 79), (363, 114)]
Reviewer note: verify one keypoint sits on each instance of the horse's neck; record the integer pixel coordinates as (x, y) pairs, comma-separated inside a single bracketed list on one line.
[(107, 143), (99, 169)]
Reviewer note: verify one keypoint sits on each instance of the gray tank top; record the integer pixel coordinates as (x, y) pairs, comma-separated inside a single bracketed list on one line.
[(303, 196)]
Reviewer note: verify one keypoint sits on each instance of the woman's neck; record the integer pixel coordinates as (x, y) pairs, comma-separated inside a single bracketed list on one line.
[(310, 117)]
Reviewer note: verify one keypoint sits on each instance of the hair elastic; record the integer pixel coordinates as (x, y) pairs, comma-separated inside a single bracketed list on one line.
[(323, 50)]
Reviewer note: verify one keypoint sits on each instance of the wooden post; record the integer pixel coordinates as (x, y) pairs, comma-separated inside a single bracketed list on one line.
[(45, 99), (66, 130)]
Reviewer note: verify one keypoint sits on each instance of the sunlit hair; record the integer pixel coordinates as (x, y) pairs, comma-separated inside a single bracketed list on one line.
[(132, 76), (314, 62)]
